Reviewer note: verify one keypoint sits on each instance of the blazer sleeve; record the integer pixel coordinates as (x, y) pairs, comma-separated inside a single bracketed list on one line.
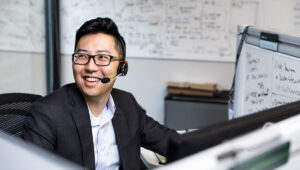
[(155, 136), (39, 127)]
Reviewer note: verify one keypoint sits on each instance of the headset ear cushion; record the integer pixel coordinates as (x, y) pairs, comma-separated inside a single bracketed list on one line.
[(122, 68), (125, 69)]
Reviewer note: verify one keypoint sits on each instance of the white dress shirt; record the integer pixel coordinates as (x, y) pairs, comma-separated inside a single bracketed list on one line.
[(104, 139)]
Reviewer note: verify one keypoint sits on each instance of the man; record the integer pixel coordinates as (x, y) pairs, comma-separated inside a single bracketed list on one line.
[(90, 122)]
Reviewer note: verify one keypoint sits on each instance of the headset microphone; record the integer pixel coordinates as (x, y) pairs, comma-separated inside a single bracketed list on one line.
[(107, 80)]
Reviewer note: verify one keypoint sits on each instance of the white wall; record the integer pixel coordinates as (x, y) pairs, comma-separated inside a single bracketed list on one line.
[(147, 79), (22, 72)]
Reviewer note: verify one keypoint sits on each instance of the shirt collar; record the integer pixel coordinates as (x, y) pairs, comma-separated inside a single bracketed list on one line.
[(106, 115), (111, 104)]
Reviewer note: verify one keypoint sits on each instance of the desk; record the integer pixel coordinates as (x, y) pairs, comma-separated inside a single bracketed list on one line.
[(190, 112)]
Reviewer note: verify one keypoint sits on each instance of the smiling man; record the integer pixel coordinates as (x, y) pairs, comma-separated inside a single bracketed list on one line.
[(90, 122)]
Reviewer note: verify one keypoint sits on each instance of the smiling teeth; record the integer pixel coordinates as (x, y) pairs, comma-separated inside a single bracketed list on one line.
[(92, 79)]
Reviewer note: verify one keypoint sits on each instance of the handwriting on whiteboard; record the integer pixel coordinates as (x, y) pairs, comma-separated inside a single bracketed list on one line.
[(286, 77), (271, 79), (258, 81), (22, 26), (172, 29)]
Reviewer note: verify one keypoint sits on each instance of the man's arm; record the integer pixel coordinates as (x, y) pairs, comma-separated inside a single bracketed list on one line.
[(39, 128), (155, 136)]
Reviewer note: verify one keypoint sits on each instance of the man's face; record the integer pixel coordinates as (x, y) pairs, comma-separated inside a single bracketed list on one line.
[(87, 77)]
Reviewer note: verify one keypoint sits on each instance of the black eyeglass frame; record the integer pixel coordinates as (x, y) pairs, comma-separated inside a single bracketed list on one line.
[(93, 56)]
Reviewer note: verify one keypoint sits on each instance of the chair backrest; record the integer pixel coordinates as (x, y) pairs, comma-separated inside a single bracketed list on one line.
[(14, 108)]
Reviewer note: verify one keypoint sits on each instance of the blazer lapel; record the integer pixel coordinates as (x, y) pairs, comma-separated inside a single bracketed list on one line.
[(121, 133), (81, 118), (121, 130), (119, 122), (120, 127)]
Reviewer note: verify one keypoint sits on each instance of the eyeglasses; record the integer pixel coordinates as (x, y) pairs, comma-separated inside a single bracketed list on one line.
[(100, 60)]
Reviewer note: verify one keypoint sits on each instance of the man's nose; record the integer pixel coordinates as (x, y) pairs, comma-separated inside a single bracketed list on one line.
[(91, 65)]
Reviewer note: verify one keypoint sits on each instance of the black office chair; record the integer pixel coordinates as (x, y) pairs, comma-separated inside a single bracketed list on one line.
[(14, 108)]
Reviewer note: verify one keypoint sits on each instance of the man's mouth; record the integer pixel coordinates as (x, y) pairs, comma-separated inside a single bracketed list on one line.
[(91, 79)]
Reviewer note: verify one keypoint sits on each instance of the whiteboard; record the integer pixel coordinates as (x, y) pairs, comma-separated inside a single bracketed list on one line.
[(180, 29), (22, 25), (265, 79), (168, 29)]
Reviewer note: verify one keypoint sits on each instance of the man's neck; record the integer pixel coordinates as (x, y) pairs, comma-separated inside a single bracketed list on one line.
[(97, 104)]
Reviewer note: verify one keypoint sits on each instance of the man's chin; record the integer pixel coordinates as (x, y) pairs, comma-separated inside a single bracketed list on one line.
[(94, 92), (89, 93)]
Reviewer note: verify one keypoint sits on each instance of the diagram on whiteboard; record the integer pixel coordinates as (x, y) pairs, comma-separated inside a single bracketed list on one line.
[(170, 29), (22, 25)]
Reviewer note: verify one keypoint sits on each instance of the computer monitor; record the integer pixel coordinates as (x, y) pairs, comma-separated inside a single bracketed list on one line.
[(195, 141), (17, 154)]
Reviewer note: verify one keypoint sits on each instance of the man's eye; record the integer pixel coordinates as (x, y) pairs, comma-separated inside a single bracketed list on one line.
[(102, 57), (81, 56)]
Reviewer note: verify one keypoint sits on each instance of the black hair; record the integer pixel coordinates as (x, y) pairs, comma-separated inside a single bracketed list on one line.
[(106, 26)]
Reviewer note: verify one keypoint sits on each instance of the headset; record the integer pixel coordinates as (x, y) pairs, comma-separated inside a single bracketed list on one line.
[(123, 66)]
